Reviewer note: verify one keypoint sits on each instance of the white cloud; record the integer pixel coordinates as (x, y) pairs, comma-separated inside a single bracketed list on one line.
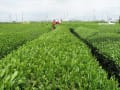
[(42, 9)]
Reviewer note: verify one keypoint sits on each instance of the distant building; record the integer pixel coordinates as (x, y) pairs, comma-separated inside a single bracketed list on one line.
[(26, 22), (110, 21)]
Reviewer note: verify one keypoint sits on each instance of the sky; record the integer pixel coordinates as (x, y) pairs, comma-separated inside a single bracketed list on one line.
[(37, 10)]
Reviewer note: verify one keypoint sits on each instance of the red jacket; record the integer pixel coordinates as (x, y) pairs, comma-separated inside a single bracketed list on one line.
[(53, 22)]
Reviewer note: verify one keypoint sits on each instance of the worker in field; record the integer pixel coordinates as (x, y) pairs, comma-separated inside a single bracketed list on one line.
[(53, 24)]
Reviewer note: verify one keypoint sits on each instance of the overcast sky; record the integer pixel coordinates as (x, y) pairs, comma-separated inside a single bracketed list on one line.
[(66, 9)]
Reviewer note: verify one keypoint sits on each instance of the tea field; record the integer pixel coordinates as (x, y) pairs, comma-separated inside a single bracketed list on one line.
[(14, 35), (34, 57)]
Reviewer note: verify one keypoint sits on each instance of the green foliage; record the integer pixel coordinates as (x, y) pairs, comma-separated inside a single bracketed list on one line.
[(105, 38), (55, 61), (14, 35)]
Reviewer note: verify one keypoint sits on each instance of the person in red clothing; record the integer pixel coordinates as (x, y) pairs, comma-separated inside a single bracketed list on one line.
[(53, 24)]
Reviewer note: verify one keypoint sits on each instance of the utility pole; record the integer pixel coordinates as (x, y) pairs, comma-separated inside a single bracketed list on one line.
[(94, 15), (16, 17), (47, 18), (119, 19), (10, 18), (22, 18)]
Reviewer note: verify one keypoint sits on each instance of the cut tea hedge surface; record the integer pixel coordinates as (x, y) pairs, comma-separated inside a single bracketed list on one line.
[(104, 37), (14, 35), (55, 61)]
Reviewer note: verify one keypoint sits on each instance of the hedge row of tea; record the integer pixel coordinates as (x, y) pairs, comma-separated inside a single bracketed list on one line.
[(55, 61), (14, 35), (105, 37)]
